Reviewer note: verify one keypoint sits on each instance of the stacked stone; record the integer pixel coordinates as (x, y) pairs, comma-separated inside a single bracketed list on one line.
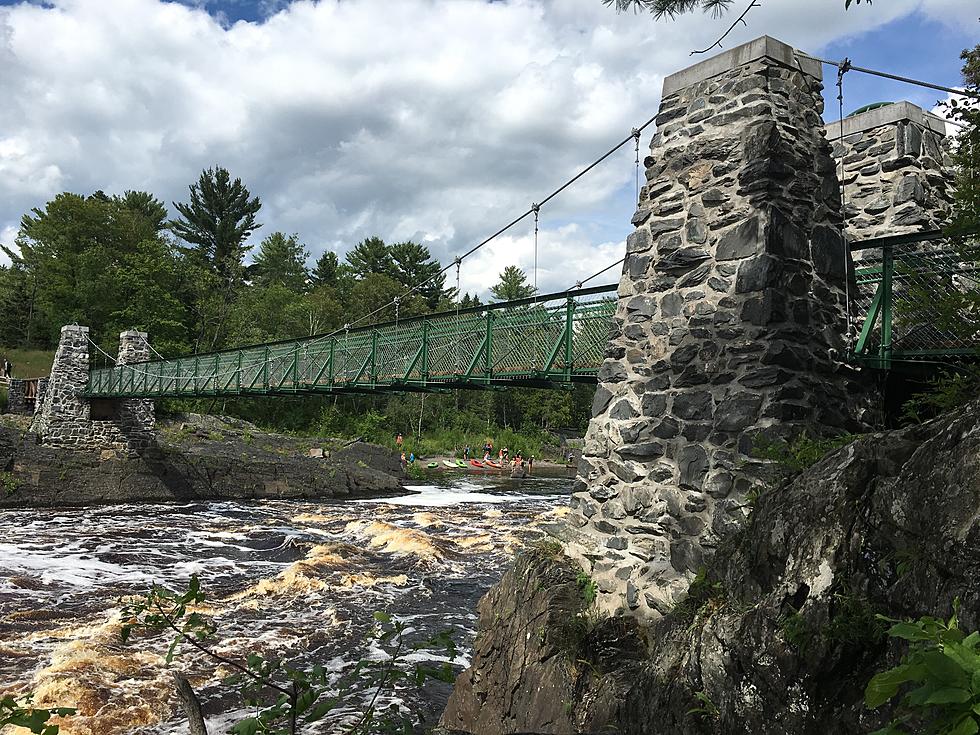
[(729, 328), (63, 417), (896, 173), (136, 420), (17, 396), (21, 399)]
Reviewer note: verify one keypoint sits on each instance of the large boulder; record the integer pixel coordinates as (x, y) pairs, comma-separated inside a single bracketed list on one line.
[(779, 632)]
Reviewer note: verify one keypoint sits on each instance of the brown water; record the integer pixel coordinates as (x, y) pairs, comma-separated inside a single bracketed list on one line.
[(294, 580)]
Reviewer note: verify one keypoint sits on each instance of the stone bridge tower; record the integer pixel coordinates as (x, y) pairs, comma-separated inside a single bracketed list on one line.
[(730, 325), (895, 171), (65, 418)]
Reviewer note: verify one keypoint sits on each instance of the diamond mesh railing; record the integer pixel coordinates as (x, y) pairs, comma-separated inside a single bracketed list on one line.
[(919, 297), (544, 341)]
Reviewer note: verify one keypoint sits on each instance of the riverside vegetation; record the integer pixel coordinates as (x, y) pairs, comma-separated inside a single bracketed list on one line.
[(115, 261)]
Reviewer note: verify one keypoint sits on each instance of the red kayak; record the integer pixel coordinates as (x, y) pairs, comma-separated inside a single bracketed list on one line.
[(491, 463), (476, 463)]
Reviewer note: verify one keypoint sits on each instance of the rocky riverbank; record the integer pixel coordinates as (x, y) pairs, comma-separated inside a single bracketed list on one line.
[(194, 458), (777, 635)]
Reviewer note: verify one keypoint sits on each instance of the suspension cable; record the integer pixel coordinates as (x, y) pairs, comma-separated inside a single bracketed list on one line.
[(886, 75), (842, 69), (581, 283), (475, 248), (636, 173), (536, 209)]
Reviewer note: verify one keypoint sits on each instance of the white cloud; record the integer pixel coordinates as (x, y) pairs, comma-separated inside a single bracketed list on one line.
[(433, 119)]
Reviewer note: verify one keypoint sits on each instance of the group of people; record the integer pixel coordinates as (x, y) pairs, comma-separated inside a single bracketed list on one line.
[(503, 456)]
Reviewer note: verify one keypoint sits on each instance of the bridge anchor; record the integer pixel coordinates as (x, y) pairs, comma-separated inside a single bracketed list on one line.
[(65, 418)]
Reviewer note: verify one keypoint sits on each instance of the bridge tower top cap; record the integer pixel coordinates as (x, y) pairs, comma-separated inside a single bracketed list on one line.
[(131, 333), (887, 115), (764, 47), (74, 328)]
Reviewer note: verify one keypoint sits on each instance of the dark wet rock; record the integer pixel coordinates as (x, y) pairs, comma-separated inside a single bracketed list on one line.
[(886, 525), (197, 458)]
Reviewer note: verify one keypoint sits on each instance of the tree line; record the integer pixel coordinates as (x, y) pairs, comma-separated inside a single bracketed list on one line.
[(114, 262)]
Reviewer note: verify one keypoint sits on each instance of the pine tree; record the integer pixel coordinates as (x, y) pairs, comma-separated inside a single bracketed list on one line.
[(325, 271), (218, 219), (414, 266), (370, 255), (512, 285), (280, 260)]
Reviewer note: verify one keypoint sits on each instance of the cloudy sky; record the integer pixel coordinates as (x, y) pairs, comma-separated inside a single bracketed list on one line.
[(437, 120)]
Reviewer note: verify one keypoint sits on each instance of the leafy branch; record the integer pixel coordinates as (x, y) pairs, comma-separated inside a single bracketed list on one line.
[(285, 697), (24, 714), (943, 668)]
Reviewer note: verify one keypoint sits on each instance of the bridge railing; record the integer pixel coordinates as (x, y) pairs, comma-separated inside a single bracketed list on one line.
[(915, 293), (554, 338)]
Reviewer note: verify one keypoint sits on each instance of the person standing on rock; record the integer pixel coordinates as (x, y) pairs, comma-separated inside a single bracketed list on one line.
[(8, 369), (399, 440)]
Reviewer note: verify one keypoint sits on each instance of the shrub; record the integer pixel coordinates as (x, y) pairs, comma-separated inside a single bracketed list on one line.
[(941, 671)]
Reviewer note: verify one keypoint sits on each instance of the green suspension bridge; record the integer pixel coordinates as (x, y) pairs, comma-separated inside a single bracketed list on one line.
[(552, 341)]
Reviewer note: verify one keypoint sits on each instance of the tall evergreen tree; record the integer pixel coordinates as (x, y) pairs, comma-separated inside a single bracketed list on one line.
[(280, 260), (512, 285), (325, 271), (370, 255), (217, 220), (414, 266)]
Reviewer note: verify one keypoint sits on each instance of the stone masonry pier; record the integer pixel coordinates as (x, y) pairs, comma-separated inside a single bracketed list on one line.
[(729, 329), (65, 418)]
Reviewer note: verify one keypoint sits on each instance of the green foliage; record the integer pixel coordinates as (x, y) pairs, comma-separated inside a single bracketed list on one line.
[(549, 548), (9, 483), (706, 709), (796, 632), (104, 261), (370, 255), (512, 285), (217, 220), (280, 261), (588, 588), (941, 674), (93, 260), (966, 149), (800, 453), (947, 391), (23, 714), (673, 8), (284, 699), (703, 596), (414, 268), (325, 271)]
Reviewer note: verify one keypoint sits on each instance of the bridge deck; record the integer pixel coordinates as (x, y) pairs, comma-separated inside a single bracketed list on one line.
[(553, 340)]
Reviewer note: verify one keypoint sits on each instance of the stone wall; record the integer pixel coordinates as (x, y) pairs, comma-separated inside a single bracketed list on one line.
[(730, 325), (895, 171), (64, 418), (23, 395)]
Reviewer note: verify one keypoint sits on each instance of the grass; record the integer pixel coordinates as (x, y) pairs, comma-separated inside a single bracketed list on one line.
[(28, 363)]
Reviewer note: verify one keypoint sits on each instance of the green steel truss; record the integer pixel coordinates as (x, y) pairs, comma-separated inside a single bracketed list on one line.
[(551, 341), (904, 285)]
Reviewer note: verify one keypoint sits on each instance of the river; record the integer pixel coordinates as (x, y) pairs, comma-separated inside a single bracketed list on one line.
[(288, 579)]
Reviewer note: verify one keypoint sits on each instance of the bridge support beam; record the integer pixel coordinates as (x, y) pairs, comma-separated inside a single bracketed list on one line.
[(64, 418), (730, 325)]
